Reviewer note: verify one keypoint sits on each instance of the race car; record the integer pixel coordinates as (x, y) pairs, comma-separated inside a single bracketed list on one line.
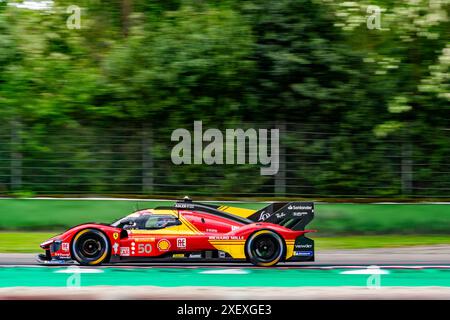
[(190, 231)]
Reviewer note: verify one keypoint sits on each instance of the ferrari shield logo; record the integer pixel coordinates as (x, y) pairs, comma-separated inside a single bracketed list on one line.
[(115, 235)]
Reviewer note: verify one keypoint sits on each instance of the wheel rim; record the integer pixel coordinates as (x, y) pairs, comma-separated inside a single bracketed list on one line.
[(265, 248), (90, 247)]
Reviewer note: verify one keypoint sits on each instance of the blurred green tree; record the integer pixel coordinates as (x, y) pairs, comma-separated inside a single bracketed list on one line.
[(91, 110)]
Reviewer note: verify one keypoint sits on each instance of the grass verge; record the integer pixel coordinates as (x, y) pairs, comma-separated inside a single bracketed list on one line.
[(331, 219), (22, 242)]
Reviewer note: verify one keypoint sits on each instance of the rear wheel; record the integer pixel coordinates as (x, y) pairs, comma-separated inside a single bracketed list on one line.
[(90, 247), (264, 248)]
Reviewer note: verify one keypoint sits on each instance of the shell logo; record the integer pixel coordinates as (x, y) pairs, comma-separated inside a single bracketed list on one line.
[(163, 245)]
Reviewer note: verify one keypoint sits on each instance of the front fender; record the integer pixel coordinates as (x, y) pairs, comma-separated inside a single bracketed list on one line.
[(59, 246)]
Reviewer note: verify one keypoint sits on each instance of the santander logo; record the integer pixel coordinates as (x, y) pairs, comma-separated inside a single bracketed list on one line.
[(291, 207)]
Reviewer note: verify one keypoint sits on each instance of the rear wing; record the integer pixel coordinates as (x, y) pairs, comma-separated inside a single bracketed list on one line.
[(295, 216), (292, 215)]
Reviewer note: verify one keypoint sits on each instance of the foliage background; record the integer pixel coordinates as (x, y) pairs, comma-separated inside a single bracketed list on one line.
[(362, 113)]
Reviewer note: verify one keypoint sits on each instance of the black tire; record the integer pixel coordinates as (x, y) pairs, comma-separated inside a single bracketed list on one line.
[(264, 248), (90, 247)]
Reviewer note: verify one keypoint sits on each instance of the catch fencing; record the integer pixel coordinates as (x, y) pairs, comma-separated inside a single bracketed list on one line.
[(314, 161)]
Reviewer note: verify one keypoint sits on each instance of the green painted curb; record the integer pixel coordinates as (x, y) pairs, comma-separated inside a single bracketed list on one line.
[(254, 277)]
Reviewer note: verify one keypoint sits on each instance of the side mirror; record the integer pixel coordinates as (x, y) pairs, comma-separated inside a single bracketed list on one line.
[(129, 224)]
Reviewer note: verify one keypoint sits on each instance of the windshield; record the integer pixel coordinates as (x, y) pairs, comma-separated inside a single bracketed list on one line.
[(159, 222), (148, 222), (124, 221)]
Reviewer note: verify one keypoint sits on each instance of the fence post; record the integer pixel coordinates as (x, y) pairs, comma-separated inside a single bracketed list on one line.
[(147, 160), (280, 177), (16, 156), (407, 168)]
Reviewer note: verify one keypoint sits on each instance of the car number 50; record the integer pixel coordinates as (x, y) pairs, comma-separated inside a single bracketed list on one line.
[(144, 248)]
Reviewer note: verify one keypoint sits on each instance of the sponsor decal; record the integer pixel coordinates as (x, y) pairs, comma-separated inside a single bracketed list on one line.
[(181, 243), (303, 246), (299, 214), (303, 253), (152, 239), (125, 251), (115, 247), (184, 206), (178, 255), (291, 207), (263, 216), (280, 215), (163, 245), (116, 235), (226, 238), (233, 228), (211, 230), (65, 246)]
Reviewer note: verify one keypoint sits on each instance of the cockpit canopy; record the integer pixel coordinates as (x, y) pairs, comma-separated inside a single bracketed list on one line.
[(147, 221)]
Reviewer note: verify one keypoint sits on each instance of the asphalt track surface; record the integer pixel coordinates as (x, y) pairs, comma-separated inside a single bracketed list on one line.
[(403, 273), (416, 255)]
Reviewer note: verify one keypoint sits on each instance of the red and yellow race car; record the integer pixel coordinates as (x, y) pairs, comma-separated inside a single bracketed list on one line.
[(191, 231)]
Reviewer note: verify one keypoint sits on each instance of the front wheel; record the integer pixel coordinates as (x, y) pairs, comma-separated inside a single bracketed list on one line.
[(264, 248), (90, 247)]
